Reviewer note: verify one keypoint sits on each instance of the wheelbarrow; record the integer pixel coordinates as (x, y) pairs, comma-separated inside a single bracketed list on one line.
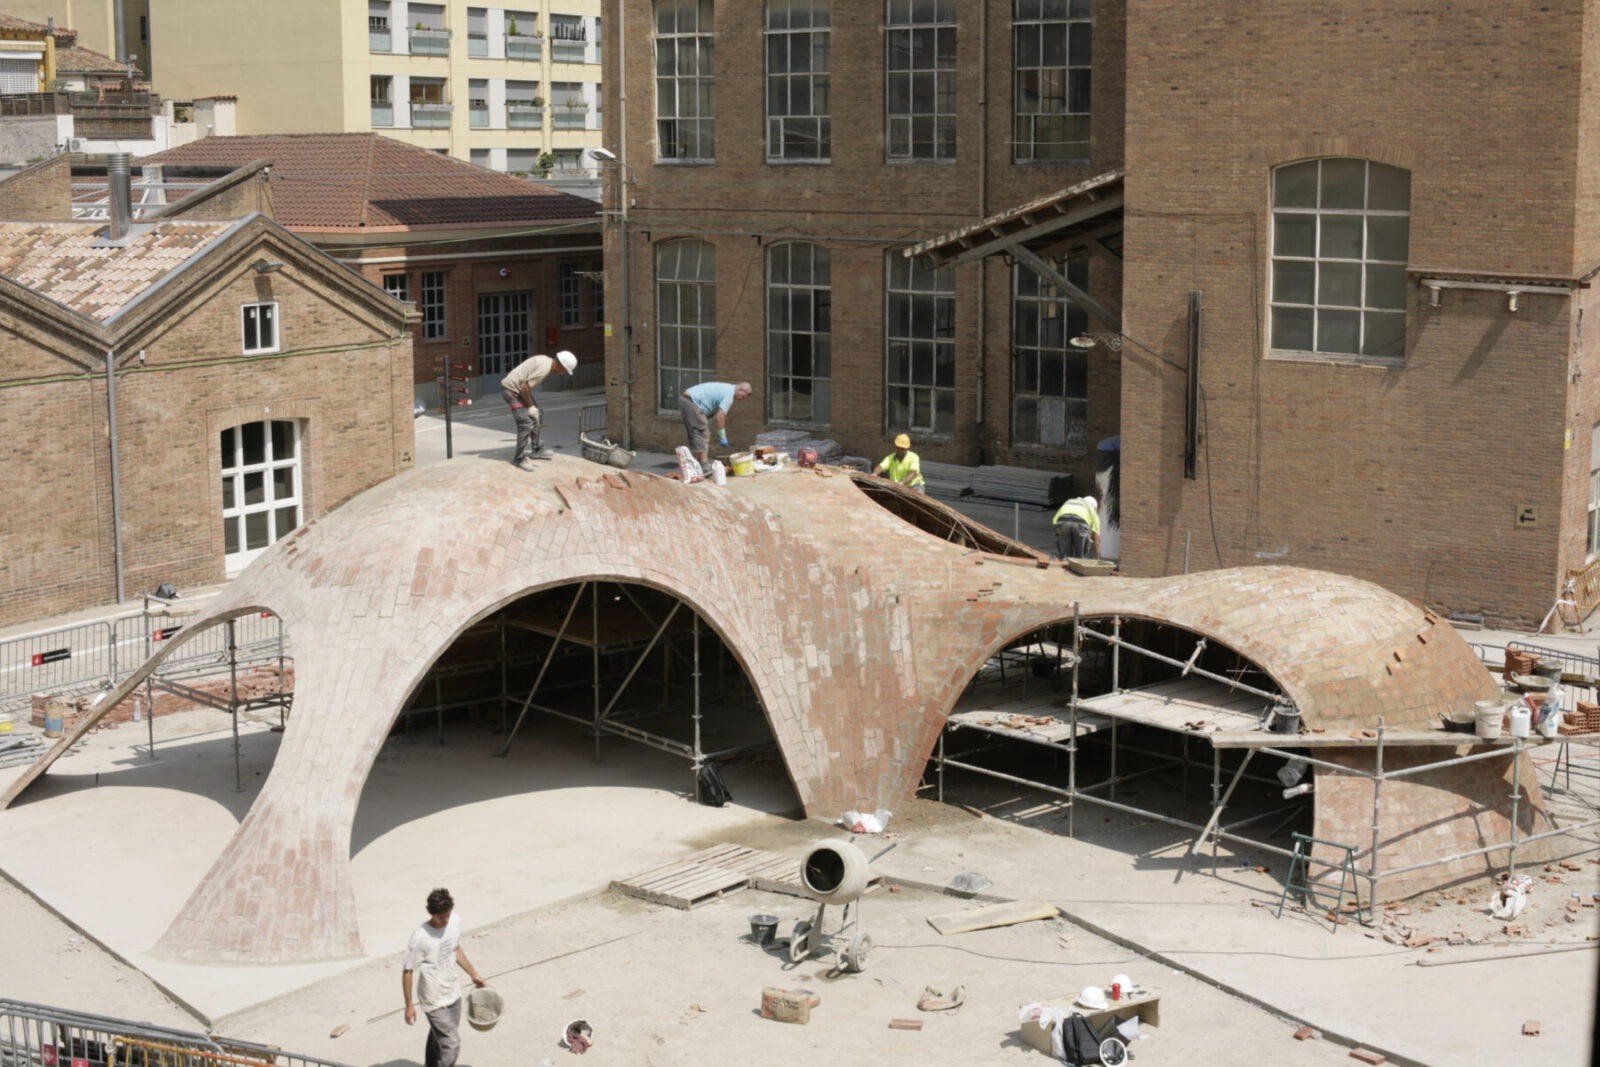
[(834, 873)]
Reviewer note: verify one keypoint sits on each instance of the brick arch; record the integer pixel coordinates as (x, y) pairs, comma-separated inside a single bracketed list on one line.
[(1376, 149)]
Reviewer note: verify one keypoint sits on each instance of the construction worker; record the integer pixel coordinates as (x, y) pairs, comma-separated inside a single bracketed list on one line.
[(903, 468), (1077, 525), (699, 403), (433, 954), (517, 390)]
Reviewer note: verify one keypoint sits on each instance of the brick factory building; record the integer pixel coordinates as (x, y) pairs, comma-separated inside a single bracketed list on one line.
[(1381, 214), (498, 267), (254, 385)]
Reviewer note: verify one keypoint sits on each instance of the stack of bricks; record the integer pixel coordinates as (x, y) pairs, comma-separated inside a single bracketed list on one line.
[(1519, 662)]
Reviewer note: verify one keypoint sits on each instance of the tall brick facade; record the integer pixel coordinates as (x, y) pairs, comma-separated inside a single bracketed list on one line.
[(1420, 472), (340, 370)]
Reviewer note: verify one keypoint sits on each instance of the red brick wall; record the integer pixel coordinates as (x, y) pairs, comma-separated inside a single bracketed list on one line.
[(862, 207), (1409, 476), (341, 371)]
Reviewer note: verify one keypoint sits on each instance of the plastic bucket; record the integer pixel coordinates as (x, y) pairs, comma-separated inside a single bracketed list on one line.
[(1286, 721), (763, 928), (1491, 716), (484, 1008), (743, 463), (52, 724)]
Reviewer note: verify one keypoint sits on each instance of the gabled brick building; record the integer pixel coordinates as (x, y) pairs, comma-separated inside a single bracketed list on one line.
[(177, 398), (1388, 235), (499, 267)]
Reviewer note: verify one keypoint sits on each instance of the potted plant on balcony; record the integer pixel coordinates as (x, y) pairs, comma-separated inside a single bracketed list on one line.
[(546, 163)]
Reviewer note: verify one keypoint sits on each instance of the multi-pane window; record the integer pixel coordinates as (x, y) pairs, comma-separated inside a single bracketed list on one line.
[(920, 347), (686, 337), (398, 286), (1594, 491), (921, 64), (478, 102), (1052, 41), (597, 291), (799, 40), (379, 36), (382, 89), (261, 492), (799, 349), (433, 305), (1340, 242), (1049, 376), (259, 325), (570, 295), (685, 80)]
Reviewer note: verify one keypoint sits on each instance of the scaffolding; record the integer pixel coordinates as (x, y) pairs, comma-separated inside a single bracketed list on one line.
[(1228, 713)]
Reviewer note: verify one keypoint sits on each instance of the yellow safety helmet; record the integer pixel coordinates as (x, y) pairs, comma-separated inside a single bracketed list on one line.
[(902, 441)]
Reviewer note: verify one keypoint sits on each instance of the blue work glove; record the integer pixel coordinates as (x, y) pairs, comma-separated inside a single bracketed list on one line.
[(722, 438)]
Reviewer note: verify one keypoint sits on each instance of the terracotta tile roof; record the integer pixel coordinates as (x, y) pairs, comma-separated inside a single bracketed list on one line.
[(59, 260), (70, 58), (12, 22), (364, 181)]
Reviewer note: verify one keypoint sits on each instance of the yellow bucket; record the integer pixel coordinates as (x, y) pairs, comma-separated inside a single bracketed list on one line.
[(5, 726), (742, 463)]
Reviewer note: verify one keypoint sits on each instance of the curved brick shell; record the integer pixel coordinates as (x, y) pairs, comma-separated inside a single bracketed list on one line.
[(832, 604)]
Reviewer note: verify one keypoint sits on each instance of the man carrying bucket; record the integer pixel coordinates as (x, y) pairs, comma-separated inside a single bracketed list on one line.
[(903, 467), (433, 953)]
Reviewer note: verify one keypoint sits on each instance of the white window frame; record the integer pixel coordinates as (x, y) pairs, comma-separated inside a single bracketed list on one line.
[(794, 54), (236, 475), (686, 318), (1367, 266), (901, 31), (244, 327), (398, 285)]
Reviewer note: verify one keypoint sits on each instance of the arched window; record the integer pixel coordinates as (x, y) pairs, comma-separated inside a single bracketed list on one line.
[(686, 317), (1050, 378), (799, 348), (261, 488), (1340, 242)]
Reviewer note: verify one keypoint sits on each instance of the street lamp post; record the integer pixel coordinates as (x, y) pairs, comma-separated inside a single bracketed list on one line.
[(625, 177)]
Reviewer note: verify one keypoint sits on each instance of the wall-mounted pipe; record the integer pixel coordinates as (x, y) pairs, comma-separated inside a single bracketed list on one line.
[(116, 474)]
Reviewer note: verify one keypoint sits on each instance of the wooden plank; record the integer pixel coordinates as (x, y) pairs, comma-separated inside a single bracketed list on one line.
[(1340, 738), (1006, 914)]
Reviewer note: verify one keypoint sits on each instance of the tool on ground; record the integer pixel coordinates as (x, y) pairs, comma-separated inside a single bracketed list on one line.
[(834, 872)]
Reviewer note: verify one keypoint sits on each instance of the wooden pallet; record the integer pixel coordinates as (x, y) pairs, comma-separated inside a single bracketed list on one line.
[(715, 872)]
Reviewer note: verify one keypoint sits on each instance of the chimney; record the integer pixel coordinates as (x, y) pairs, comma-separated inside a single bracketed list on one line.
[(121, 194)]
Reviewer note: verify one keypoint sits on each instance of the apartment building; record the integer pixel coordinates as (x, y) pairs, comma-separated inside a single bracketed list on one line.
[(1323, 273), (116, 28), (514, 89)]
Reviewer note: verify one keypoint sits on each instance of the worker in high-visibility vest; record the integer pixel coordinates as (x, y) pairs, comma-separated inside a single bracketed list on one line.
[(1078, 529), (903, 467)]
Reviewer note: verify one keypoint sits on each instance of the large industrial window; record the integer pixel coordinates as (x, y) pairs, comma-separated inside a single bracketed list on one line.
[(1052, 41), (920, 40), (398, 286), (261, 492), (799, 349), (685, 81), (434, 324), (920, 348), (1340, 241), (686, 313), (597, 291), (1049, 377), (798, 44)]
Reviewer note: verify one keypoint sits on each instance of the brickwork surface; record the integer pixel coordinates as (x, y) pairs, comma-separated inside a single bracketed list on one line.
[(857, 630)]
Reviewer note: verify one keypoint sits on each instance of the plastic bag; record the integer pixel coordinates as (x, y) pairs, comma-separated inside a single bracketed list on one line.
[(688, 467), (857, 823)]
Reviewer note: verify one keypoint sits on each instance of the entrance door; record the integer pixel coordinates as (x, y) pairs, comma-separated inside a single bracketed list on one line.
[(502, 336)]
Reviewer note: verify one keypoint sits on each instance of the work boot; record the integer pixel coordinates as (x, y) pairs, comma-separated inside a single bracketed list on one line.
[(542, 453), (525, 463)]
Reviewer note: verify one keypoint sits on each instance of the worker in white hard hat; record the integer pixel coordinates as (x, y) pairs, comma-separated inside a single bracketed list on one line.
[(1078, 528), (903, 467), (517, 388)]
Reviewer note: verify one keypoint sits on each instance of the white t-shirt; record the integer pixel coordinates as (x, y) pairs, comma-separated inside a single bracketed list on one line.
[(431, 953)]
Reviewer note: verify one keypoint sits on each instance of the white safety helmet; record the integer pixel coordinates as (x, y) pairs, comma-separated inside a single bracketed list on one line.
[(567, 360), (1093, 998)]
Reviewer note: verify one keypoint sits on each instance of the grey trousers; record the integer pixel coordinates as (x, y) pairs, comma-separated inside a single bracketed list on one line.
[(527, 420), (1073, 540), (444, 1035), (695, 425)]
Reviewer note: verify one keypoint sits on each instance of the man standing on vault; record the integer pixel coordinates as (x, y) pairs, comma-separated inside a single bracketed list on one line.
[(517, 389)]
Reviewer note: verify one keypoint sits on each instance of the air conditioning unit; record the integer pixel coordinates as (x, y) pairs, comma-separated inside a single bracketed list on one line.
[(75, 144)]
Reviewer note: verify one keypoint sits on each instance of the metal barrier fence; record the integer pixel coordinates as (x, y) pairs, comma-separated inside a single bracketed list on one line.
[(591, 418), (98, 655), (35, 1035)]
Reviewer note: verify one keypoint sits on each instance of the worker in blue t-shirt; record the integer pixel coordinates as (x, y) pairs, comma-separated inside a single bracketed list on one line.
[(698, 403)]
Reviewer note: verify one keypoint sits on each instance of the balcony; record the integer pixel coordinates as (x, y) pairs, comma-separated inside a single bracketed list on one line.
[(382, 113), (111, 115), (430, 42), (572, 119), (524, 116), (524, 46), (379, 39), (427, 116), (566, 51)]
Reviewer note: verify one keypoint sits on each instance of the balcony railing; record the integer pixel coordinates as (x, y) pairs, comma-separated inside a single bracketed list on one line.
[(567, 119), (382, 113), (478, 116), (430, 42), (524, 46), (379, 39), (425, 116), (568, 51), (111, 115), (524, 117)]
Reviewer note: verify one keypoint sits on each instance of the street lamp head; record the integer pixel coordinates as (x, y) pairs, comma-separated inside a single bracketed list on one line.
[(1112, 341), (603, 154)]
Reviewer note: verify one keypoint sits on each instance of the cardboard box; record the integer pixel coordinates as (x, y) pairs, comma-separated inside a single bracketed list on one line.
[(1147, 1006)]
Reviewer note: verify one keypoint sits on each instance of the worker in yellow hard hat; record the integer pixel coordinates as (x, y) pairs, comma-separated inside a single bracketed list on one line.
[(903, 468)]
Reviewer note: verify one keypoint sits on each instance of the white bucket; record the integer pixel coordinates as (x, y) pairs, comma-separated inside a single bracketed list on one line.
[(1491, 715), (1521, 720)]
